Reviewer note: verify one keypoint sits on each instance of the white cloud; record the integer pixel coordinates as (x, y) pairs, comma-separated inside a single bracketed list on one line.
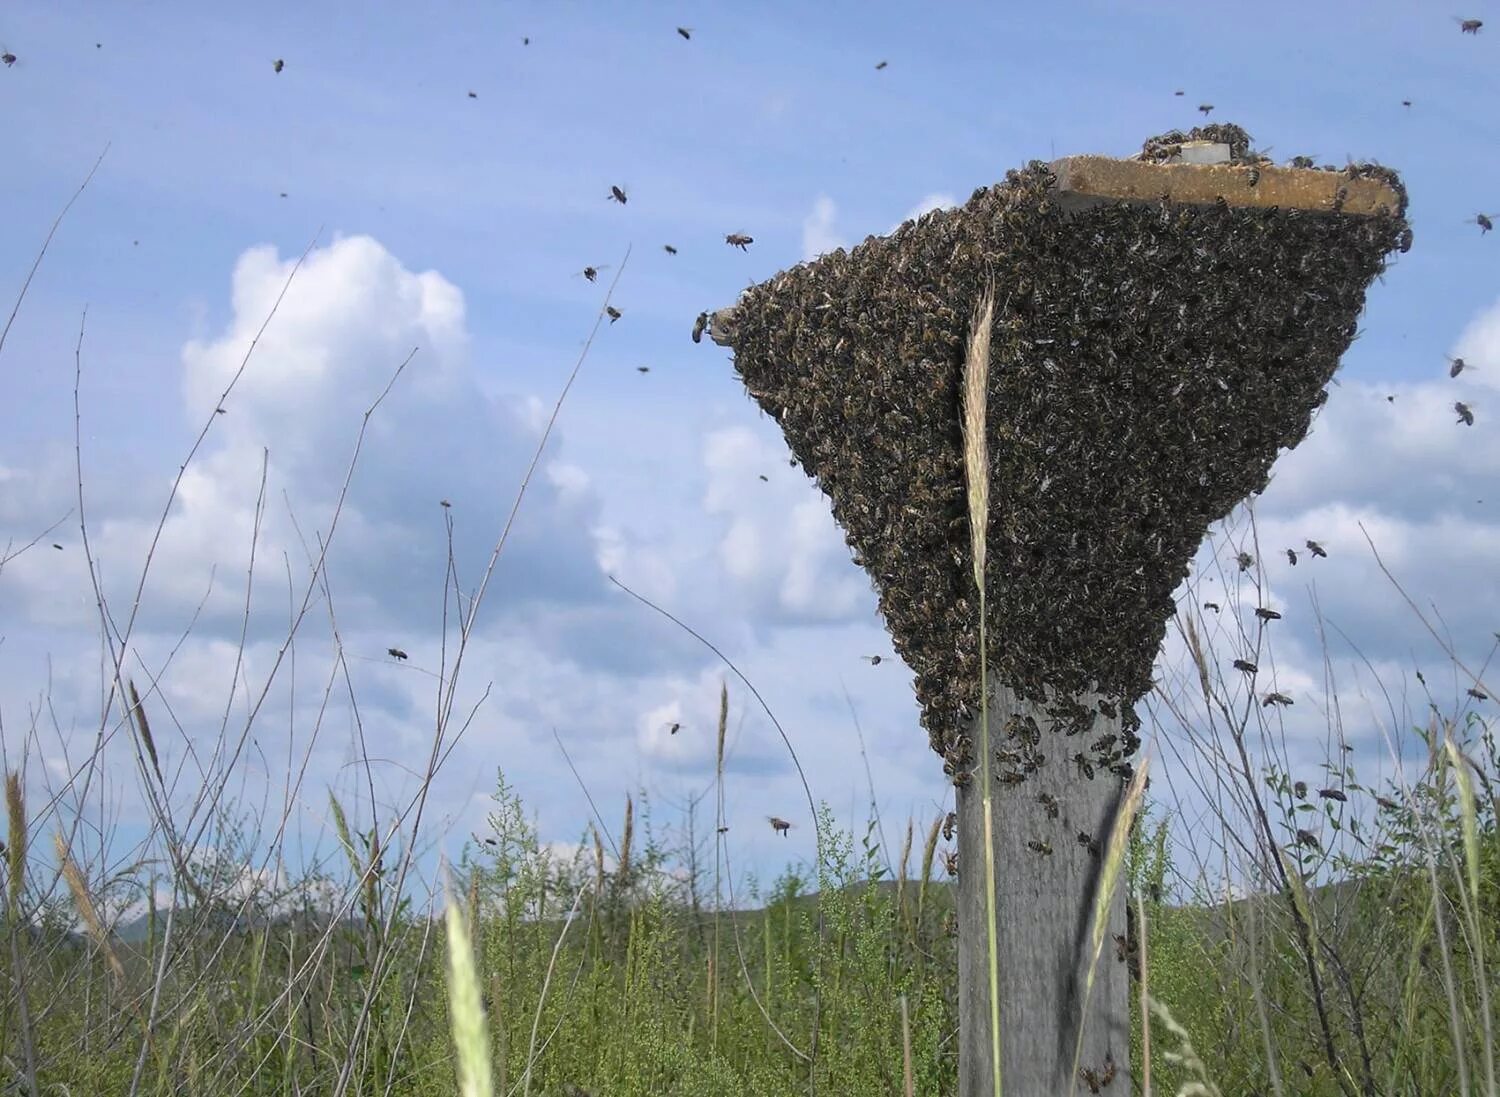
[(818, 235)]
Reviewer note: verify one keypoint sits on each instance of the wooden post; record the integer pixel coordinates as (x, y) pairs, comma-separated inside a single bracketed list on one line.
[(1046, 880)]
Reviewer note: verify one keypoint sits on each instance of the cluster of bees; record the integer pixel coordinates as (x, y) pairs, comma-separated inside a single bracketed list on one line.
[(1148, 362)]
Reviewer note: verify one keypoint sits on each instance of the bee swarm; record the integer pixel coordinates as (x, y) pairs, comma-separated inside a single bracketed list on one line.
[(1149, 359)]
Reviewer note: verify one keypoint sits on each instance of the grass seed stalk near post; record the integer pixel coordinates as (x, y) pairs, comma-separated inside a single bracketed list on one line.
[(1162, 328)]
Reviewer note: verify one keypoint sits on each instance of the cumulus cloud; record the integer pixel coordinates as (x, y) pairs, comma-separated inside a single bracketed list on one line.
[(818, 234)]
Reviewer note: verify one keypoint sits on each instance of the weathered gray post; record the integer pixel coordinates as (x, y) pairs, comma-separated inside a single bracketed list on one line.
[(1164, 326)]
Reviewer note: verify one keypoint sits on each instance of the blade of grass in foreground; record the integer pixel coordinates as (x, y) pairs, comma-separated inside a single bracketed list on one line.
[(465, 1010)]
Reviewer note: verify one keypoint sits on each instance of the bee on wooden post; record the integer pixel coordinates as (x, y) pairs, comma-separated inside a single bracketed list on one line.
[(617, 194), (949, 822), (1316, 549), (1303, 161), (1049, 802), (1043, 848), (779, 825), (739, 240), (1252, 175), (1465, 414)]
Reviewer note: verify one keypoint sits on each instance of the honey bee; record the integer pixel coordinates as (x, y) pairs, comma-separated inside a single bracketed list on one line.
[(1457, 366), (873, 660), (1275, 699), (779, 825), (1484, 223), (674, 728), (1465, 415), (1206, 108), (686, 32), (1049, 802), (1097, 1080), (949, 822), (276, 65), (1042, 848), (1299, 789), (1245, 666), (1302, 161), (881, 65), (1406, 102), (1477, 694), (396, 653), (1253, 175), (1122, 946), (723, 830), (1267, 614), (699, 325), (1179, 91), (1468, 26), (1309, 839), (1387, 804), (614, 313), (739, 240), (1291, 557), (950, 862), (1245, 560), (473, 95), (221, 411), (444, 504), (1211, 605), (1333, 794), (669, 249), (1086, 840), (1316, 549), (59, 548), (592, 273), (643, 369), (764, 479), (617, 194)]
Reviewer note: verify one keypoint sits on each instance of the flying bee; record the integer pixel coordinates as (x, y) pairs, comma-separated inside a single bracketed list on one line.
[(873, 660), (444, 504), (614, 313), (669, 249), (276, 65), (1245, 560), (1387, 804), (764, 479), (1267, 614), (1457, 366), (1049, 802), (617, 194), (1316, 549), (1309, 839), (881, 65), (473, 95), (1468, 26), (1211, 605), (1206, 108), (1477, 694), (739, 240), (686, 32), (1333, 794), (950, 862), (1406, 102), (643, 369), (1465, 415), (1179, 91), (1245, 666), (59, 548), (591, 273), (221, 411), (1042, 848), (779, 825), (723, 830), (1291, 557), (396, 653), (1484, 223), (1300, 790), (673, 728)]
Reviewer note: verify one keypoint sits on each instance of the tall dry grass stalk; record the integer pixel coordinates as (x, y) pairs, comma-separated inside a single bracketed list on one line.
[(1109, 882), (622, 874), (465, 1008), (15, 843), (929, 851), (977, 470), (143, 729), (83, 902)]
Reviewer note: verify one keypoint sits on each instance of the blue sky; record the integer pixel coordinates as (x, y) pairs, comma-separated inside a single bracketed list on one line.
[(458, 225)]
